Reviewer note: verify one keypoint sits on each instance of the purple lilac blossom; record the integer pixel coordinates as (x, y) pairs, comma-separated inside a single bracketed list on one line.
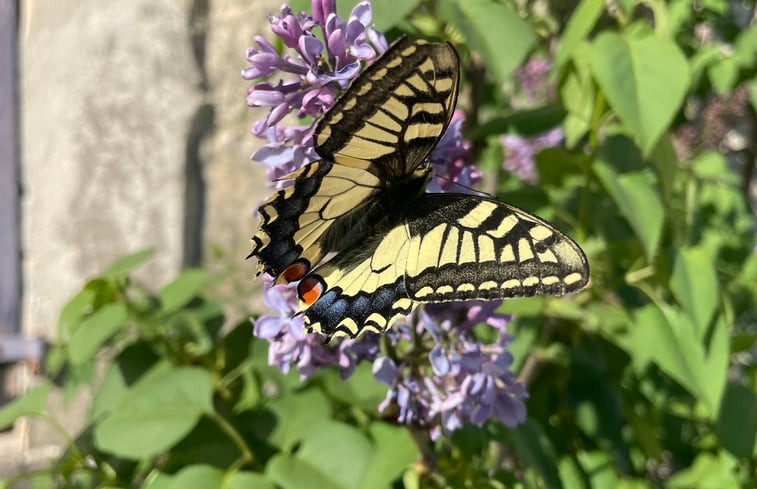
[(469, 383), (520, 152), (450, 158), (289, 344), (317, 73), (463, 381), (533, 87)]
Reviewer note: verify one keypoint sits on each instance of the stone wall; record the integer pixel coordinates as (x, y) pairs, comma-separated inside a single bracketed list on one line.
[(135, 134)]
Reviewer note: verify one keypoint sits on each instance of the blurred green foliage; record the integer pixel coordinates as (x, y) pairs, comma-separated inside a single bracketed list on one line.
[(645, 379)]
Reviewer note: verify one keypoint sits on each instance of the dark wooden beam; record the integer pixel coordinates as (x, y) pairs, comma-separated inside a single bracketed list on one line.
[(10, 239)]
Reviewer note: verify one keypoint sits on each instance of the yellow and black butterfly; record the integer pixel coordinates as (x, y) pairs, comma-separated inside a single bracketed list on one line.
[(365, 241)]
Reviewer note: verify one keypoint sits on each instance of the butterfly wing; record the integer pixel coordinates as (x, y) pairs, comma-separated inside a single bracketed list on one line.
[(441, 247), (303, 222), (377, 133), (395, 112)]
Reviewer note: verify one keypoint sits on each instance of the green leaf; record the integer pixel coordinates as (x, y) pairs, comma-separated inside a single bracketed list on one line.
[(642, 335), (388, 13), (361, 389), (708, 471), (393, 452), (644, 79), (680, 354), (736, 425), (637, 201), (577, 94), (494, 30), (250, 393), (290, 472), (694, 284), (75, 309), (579, 26), (32, 402), (199, 477), (599, 467), (411, 479), (126, 264), (134, 362), (160, 410), (535, 451), (348, 452), (95, 330), (248, 480), (292, 422), (666, 162), (723, 74), (570, 473), (160, 480), (183, 289)]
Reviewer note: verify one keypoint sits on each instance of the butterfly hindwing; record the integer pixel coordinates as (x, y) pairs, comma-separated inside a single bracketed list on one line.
[(469, 247), (441, 247), (395, 112)]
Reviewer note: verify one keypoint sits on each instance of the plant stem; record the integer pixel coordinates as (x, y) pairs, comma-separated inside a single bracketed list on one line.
[(226, 427)]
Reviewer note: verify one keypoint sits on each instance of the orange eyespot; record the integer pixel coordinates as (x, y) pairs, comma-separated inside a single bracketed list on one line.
[(310, 289), (295, 271)]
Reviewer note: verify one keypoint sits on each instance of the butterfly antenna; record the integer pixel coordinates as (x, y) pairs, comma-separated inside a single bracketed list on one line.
[(460, 185)]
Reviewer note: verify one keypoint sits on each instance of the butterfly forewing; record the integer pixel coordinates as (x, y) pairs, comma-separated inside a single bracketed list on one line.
[(395, 112), (311, 218)]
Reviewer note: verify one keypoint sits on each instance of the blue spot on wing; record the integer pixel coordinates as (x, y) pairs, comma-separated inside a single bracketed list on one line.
[(334, 306)]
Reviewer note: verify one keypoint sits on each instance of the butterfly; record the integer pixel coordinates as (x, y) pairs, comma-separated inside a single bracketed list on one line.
[(362, 237)]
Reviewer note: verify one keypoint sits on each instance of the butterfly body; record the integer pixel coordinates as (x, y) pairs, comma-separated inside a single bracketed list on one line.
[(365, 241)]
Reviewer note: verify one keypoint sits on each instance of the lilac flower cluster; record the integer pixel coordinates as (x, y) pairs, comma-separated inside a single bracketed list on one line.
[(452, 170), (318, 73), (458, 379), (520, 152), (466, 381), (290, 345), (530, 89)]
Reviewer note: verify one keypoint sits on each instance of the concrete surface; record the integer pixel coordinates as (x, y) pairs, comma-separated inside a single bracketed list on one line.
[(135, 134)]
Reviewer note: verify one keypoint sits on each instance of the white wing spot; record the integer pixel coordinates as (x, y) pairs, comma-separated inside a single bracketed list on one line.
[(504, 227), (528, 282), (540, 233), (547, 256), (488, 285), (525, 252), (572, 278)]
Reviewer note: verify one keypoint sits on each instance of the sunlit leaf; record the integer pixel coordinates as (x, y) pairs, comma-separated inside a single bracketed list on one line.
[(489, 27), (638, 202), (32, 402), (644, 79), (126, 264), (695, 285), (181, 290), (95, 330)]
